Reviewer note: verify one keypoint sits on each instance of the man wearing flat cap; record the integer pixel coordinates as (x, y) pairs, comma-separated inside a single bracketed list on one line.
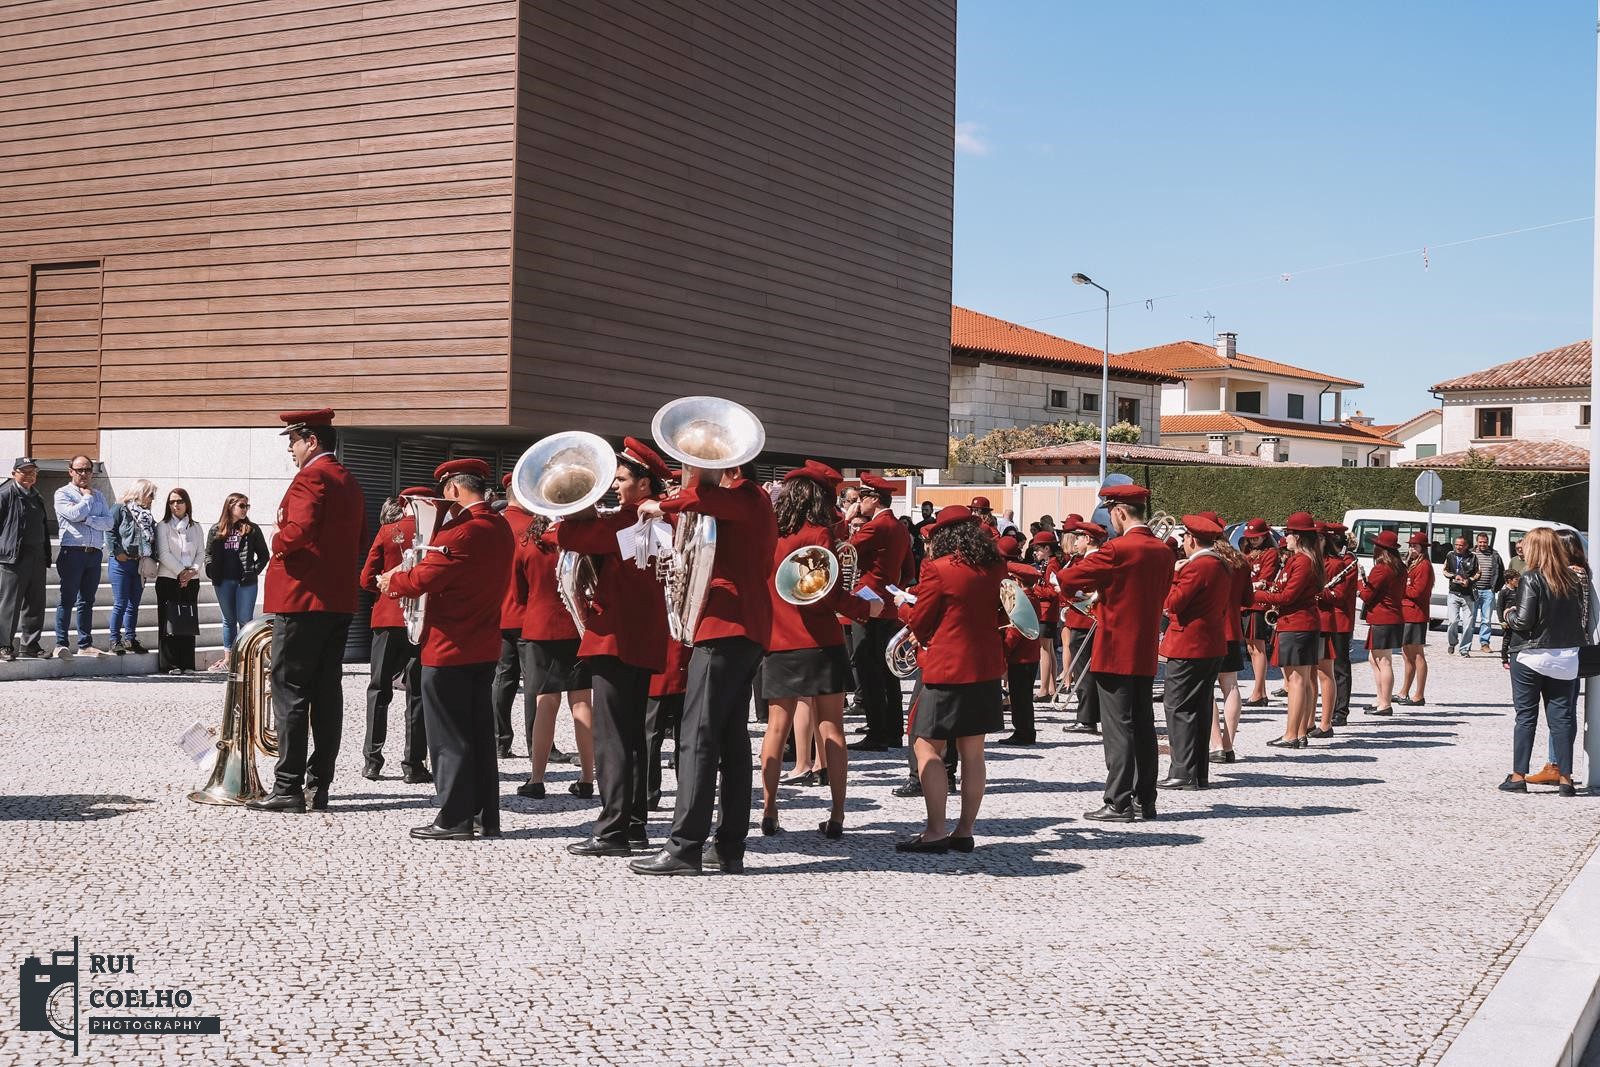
[(884, 557), (312, 581)]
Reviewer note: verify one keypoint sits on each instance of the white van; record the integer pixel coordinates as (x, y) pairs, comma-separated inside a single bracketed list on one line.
[(1365, 524)]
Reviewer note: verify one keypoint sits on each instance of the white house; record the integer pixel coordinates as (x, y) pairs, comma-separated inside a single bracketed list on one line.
[(1420, 436), (1230, 403), (1530, 411), (1003, 374)]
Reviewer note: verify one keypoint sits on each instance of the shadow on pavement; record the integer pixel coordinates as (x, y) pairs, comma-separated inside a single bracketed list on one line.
[(1250, 778), (68, 807), (1242, 811)]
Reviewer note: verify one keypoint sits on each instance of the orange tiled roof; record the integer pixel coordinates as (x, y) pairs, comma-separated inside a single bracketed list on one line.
[(1565, 366), (1516, 455), (977, 332), (1185, 358), (1227, 422), (1388, 429), (1089, 452)]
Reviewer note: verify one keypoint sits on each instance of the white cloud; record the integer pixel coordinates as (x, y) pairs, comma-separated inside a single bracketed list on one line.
[(969, 139)]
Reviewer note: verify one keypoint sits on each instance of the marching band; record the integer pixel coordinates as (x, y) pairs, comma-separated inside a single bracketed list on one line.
[(667, 612)]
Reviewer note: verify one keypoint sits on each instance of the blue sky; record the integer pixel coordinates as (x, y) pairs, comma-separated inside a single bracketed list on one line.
[(1167, 148)]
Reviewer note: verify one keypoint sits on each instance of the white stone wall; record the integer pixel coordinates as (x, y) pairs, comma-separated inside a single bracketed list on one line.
[(1308, 451), (210, 463), (990, 395), (1430, 432), (1536, 415), (1204, 394), (10, 448)]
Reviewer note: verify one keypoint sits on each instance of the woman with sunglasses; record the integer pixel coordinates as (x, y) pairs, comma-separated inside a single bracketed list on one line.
[(181, 554), (236, 554)]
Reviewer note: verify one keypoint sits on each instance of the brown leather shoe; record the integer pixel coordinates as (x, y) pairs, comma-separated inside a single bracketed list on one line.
[(1549, 774)]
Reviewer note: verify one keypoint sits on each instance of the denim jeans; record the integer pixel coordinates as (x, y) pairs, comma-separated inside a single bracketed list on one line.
[(127, 589), (238, 604), (1458, 613), (79, 570), (1560, 698), (1483, 610)]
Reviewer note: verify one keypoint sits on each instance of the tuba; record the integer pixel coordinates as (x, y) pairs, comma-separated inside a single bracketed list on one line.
[(811, 572), (428, 513), (701, 433), (1162, 525), (560, 475), (901, 653), (1019, 609), (246, 703)]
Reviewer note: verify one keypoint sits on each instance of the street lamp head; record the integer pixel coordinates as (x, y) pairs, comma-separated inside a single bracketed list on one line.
[(1081, 279)]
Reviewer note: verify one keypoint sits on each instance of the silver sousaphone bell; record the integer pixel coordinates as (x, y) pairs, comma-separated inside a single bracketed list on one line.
[(806, 575), (564, 473)]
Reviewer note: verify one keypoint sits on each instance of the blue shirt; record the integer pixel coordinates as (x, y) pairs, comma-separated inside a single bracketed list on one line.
[(84, 517)]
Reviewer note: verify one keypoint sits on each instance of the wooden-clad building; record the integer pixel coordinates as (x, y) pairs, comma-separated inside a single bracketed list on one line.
[(467, 223)]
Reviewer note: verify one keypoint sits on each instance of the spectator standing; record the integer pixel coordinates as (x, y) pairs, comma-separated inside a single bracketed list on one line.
[(1461, 578), (83, 517), (1491, 576), (24, 556), (236, 554), (925, 519), (181, 553), (131, 545)]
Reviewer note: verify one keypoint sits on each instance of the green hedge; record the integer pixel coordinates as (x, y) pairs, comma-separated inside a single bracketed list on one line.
[(1328, 492)]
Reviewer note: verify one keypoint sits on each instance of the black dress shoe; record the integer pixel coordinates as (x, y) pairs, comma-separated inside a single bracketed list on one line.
[(1017, 739), (1183, 785), (435, 832), (1263, 702), (419, 776), (822, 776), (1281, 742), (831, 830), (913, 788), (1144, 813), (1373, 710), (917, 844), (373, 771), (1319, 733), (317, 799), (581, 789), (663, 862), (712, 859), (1341, 718), (279, 802), (491, 832), (531, 790), (1082, 728), (504, 751), (867, 744), (639, 844), (1107, 813), (961, 844), (595, 847), (558, 756), (1566, 789), (769, 825), (1513, 785), (1222, 755), (808, 778)]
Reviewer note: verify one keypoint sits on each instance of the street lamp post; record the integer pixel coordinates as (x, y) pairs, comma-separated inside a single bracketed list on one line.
[(1105, 368)]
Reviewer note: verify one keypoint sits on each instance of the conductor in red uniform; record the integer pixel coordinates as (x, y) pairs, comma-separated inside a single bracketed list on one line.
[(1133, 573), (393, 654), (883, 558), (311, 592), (460, 644), (1199, 603)]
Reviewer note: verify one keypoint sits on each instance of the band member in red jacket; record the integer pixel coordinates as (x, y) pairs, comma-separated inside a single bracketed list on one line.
[(1226, 723), (311, 592), (1045, 551), (1132, 573), (1079, 621), (956, 623), (393, 654), (508, 669), (884, 558), (625, 643), (1258, 547), (1337, 617), (806, 670), (1417, 611), (1024, 654), (460, 644), (1384, 593), (729, 641), (1197, 607), (1298, 631)]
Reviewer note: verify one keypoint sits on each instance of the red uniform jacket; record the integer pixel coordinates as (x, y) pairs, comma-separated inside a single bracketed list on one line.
[(391, 543), (463, 586), (1133, 574), (957, 619), (1020, 649), (316, 553), (1071, 617), (1338, 605), (1384, 594), (1419, 592), (544, 616), (1244, 595), (1199, 604), (815, 625), (674, 678), (884, 558), (628, 617), (737, 603), (511, 607), (1296, 595), (1264, 568)]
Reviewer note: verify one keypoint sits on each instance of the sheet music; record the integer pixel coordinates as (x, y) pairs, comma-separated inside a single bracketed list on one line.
[(198, 742), (645, 540)]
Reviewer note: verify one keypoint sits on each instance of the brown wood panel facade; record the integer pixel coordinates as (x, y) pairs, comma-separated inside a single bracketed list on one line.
[(740, 198), (64, 360), (293, 201)]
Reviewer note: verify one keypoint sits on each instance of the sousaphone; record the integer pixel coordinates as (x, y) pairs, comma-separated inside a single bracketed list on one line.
[(561, 475)]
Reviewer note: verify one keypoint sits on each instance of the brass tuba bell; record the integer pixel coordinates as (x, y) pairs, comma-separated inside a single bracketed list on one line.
[(246, 705)]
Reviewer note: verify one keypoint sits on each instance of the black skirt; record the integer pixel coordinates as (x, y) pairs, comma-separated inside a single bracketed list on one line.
[(1233, 659), (1255, 626), (1048, 630), (950, 711), (1384, 636), (1297, 648), (553, 666), (805, 672), (1416, 633)]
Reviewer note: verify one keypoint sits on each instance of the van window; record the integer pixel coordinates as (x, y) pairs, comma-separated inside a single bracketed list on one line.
[(1444, 535)]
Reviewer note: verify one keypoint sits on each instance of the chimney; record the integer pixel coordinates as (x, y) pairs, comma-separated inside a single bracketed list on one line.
[(1227, 345), (1268, 449), (1217, 444), (1358, 419)]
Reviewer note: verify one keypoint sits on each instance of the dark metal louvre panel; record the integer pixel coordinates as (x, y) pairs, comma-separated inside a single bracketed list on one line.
[(418, 457), (372, 461)]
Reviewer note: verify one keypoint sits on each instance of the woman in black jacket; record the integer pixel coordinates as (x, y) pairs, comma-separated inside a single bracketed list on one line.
[(1545, 626), (236, 554)]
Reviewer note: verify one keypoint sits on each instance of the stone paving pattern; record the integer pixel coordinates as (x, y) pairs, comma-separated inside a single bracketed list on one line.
[(1348, 904)]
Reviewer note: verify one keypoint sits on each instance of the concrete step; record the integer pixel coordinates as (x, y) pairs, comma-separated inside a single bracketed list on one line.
[(105, 666)]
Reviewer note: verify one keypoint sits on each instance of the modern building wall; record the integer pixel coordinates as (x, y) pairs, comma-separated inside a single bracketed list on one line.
[(986, 395), (1536, 415)]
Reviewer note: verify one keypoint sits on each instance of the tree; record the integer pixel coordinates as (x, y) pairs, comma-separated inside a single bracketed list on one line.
[(989, 449), (1478, 460)]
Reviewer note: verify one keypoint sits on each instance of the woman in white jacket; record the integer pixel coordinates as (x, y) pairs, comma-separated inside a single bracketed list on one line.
[(181, 553)]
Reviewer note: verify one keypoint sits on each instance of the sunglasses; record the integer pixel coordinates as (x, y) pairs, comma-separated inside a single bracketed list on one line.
[(175, 502), (82, 470), (243, 506)]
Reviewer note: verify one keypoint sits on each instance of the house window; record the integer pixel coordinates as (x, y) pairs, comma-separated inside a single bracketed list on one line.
[(1297, 405), (1494, 422), (1128, 409), (1060, 398), (1347, 457), (1583, 414), (1248, 402), (1425, 451), (1091, 401), (1377, 459)]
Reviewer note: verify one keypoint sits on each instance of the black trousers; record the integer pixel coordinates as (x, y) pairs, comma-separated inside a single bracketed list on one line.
[(1128, 723), (662, 715), (1187, 698), (1019, 681), (393, 655), (1341, 673), (307, 695), (22, 597), (178, 652), (457, 707), (620, 744), (507, 675), (877, 689), (1088, 695), (713, 741)]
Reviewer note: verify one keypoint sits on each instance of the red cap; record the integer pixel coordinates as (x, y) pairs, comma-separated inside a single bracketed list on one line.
[(1387, 539), (1334, 527), (818, 472), (1202, 527), (1214, 517), (1125, 494), (299, 421), (461, 466), (1301, 522), (636, 451), (1008, 547), (429, 491), (1093, 529), (505, 480), (1419, 539), (1322, 527), (872, 483), (951, 515), (1044, 537), (1257, 528), (980, 503), (1073, 517)]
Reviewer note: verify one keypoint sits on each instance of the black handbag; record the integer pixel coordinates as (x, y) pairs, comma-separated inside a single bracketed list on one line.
[(1588, 655), (183, 619)]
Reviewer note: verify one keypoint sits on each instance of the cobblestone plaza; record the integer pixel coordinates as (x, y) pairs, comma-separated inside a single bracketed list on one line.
[(1352, 903)]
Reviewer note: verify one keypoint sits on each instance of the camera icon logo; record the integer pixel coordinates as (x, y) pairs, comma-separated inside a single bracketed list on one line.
[(50, 995)]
